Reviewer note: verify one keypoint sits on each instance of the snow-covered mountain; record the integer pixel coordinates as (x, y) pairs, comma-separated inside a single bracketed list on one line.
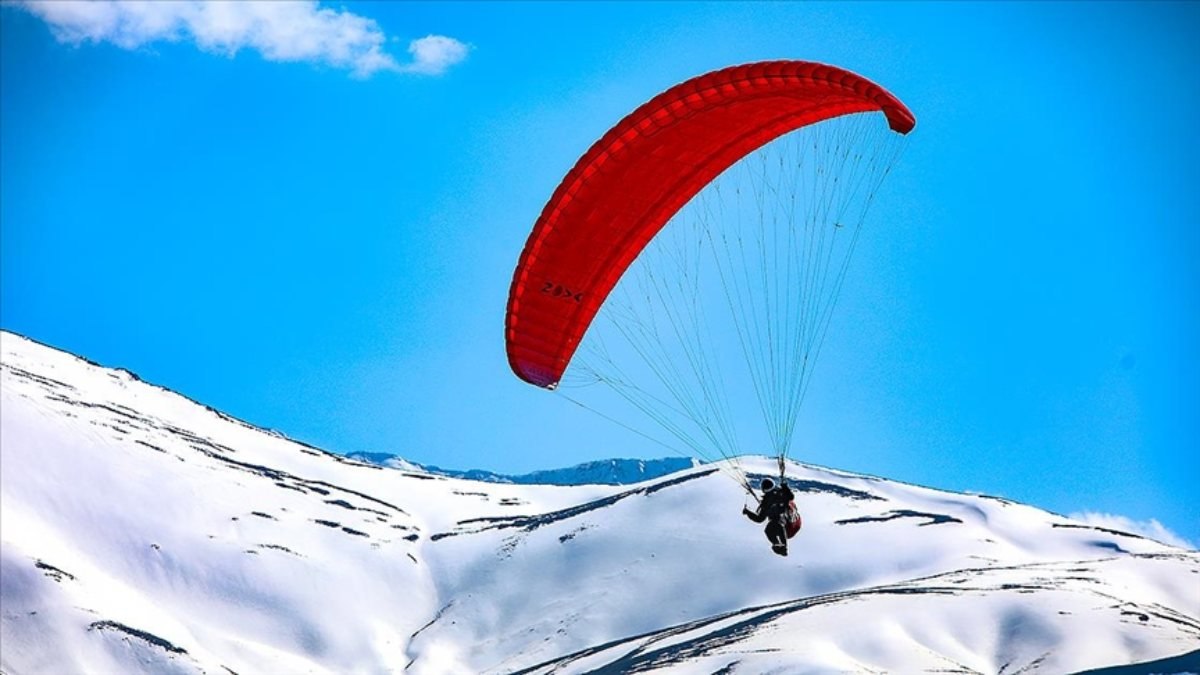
[(143, 532), (600, 472)]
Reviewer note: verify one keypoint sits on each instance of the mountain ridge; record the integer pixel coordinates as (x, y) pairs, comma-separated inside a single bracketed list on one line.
[(144, 532), (613, 471)]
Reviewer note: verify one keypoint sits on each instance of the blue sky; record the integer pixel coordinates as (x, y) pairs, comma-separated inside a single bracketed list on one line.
[(318, 236)]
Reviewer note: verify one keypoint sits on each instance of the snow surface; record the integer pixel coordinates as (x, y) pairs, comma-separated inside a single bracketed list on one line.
[(141, 532)]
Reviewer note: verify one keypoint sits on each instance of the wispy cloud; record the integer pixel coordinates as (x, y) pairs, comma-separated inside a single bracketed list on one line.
[(433, 54), (279, 30), (1147, 528)]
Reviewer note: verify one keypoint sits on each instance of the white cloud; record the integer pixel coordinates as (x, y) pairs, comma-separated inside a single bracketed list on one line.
[(280, 30), (1147, 528), (433, 54)]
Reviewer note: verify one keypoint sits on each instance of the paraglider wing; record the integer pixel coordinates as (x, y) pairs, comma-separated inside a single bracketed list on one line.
[(638, 175)]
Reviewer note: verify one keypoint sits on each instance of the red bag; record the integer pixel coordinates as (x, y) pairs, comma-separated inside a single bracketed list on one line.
[(792, 522)]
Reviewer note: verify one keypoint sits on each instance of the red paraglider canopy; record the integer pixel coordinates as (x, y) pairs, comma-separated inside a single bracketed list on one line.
[(638, 175)]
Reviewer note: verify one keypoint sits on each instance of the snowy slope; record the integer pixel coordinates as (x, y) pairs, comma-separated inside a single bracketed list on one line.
[(143, 532)]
